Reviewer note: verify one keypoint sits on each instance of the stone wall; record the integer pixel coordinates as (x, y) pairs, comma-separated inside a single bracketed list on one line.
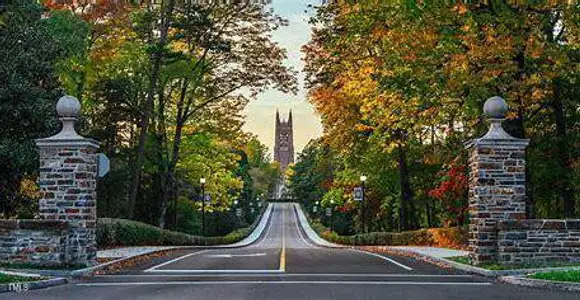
[(497, 191), (39, 242), (67, 184), (538, 241)]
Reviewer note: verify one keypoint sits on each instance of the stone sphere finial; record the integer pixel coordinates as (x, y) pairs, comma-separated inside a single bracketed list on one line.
[(495, 107), (68, 107)]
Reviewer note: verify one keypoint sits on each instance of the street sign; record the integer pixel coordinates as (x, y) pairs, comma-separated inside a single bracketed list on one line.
[(328, 211), (238, 212), (207, 198), (358, 194), (314, 209), (103, 165)]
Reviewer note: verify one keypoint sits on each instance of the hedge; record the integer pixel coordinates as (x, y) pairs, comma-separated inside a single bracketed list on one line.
[(453, 237), (122, 232)]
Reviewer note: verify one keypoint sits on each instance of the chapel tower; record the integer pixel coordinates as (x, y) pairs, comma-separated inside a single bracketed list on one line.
[(284, 143)]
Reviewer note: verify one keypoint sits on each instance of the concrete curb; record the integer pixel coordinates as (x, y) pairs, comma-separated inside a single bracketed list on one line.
[(538, 283), (251, 238), (313, 236), (29, 285), (310, 233), (474, 269)]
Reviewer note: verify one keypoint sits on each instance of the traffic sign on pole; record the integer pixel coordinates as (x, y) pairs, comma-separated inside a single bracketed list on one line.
[(328, 211), (358, 194), (103, 165)]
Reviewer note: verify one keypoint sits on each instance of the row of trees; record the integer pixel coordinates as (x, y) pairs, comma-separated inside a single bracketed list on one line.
[(163, 85), (400, 87)]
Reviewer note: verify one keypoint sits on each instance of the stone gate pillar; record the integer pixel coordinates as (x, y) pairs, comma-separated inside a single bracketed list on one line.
[(67, 181), (497, 189)]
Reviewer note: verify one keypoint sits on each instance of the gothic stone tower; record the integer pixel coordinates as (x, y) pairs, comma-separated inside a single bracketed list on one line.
[(283, 150), (284, 143)]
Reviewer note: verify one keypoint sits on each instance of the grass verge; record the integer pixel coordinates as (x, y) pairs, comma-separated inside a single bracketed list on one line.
[(495, 266), (567, 276), (39, 267), (5, 278)]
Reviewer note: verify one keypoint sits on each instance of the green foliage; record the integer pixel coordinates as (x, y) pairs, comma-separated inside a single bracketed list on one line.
[(5, 278), (400, 89), (567, 276), (495, 266), (28, 92), (121, 232), (456, 237)]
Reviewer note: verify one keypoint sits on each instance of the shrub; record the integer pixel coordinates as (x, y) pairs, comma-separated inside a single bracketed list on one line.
[(121, 232), (453, 237)]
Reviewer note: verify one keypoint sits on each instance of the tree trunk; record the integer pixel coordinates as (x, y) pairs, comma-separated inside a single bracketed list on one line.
[(566, 192), (170, 194), (156, 60), (405, 186)]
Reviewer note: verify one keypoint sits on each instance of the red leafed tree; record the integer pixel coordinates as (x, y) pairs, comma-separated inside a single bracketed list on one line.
[(452, 192)]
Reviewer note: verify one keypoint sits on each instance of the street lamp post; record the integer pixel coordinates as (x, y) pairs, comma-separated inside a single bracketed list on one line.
[(331, 215), (363, 178), (317, 207), (202, 183)]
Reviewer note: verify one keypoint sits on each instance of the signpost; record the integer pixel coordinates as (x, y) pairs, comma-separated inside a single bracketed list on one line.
[(358, 194), (103, 165), (329, 214)]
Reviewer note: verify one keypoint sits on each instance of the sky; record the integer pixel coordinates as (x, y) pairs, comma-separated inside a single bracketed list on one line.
[(261, 113)]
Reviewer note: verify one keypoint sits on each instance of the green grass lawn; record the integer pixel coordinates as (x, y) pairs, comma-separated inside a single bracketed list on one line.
[(570, 276), (494, 266), (4, 278), (37, 267)]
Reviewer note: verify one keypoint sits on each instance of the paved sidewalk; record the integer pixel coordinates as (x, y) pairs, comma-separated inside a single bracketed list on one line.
[(130, 251), (431, 251)]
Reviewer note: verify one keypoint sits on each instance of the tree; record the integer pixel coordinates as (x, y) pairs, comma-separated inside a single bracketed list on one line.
[(211, 54), (411, 79), (29, 90)]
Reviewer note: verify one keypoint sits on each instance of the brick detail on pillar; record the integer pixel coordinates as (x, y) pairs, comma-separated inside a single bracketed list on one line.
[(497, 183), (67, 182)]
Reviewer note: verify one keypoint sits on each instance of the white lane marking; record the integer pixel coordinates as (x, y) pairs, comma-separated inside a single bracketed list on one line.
[(293, 275), (154, 268), (384, 258), (267, 232), (285, 282), (235, 255), (197, 271), (299, 231)]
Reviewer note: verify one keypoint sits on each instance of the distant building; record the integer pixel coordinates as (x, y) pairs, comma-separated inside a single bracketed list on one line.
[(283, 149), (284, 143)]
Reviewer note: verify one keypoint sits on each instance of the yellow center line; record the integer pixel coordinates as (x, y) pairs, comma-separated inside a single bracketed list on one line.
[(283, 252)]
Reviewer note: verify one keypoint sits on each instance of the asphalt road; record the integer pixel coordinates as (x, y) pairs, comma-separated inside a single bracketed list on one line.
[(285, 264)]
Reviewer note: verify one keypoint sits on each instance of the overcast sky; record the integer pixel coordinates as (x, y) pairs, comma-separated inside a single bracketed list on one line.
[(261, 113)]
